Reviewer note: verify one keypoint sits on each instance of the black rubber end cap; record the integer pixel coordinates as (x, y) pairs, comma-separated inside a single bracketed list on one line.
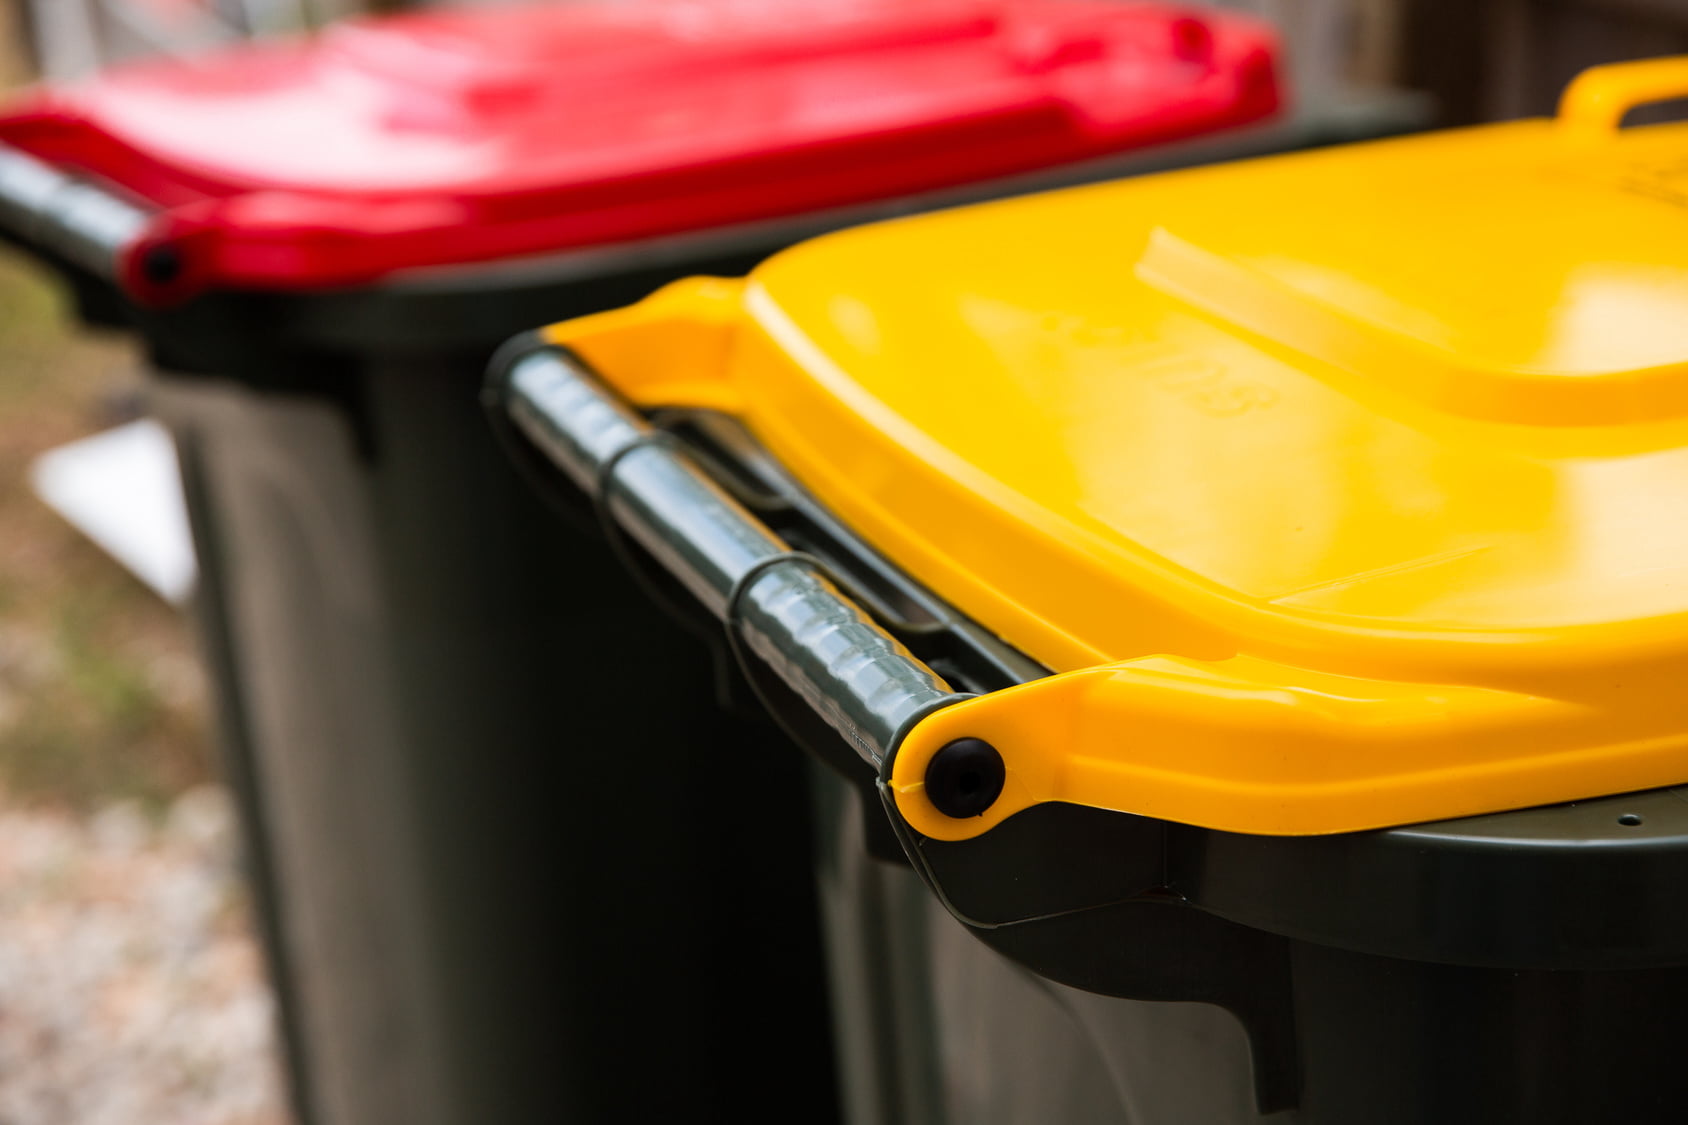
[(161, 265), (965, 778)]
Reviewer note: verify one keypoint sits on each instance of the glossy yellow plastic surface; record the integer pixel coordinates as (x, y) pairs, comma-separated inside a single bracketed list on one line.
[(1343, 489)]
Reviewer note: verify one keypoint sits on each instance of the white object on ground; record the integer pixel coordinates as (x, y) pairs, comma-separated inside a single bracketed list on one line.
[(122, 490)]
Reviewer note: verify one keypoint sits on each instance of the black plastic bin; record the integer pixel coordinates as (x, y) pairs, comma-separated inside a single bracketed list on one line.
[(1222, 716)]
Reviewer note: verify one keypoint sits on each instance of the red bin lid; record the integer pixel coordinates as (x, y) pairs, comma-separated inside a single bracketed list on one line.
[(464, 137)]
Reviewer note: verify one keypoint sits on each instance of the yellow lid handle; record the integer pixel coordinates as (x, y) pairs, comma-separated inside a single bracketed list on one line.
[(1594, 103), (669, 349)]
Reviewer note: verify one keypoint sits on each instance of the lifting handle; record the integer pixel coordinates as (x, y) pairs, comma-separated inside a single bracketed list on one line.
[(1595, 102), (775, 602), (80, 221)]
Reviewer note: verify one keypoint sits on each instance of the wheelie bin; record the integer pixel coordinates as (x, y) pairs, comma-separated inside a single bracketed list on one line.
[(1254, 598), (428, 691)]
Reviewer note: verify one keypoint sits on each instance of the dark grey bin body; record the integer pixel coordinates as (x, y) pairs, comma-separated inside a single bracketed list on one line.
[(495, 874), (969, 1035)]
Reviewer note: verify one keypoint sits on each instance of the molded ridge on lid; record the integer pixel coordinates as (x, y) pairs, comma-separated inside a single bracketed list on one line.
[(1279, 313)]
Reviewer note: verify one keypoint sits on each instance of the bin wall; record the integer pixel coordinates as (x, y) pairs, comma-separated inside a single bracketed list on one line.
[(938, 1029), (492, 786), (935, 1028)]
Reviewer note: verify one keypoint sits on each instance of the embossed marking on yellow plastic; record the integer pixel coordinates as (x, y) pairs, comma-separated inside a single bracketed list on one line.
[(1343, 489)]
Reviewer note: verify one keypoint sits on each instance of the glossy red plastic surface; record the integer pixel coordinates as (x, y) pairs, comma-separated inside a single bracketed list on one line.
[(461, 137)]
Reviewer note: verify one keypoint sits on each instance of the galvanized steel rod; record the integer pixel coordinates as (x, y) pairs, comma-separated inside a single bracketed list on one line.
[(81, 222), (856, 676)]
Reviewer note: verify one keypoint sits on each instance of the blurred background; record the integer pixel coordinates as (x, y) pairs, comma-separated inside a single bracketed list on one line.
[(130, 988)]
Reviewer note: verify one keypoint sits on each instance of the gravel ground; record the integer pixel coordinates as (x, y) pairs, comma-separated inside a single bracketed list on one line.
[(131, 991)]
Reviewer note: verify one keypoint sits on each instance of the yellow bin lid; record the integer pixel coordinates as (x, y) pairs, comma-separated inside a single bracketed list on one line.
[(1343, 489)]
